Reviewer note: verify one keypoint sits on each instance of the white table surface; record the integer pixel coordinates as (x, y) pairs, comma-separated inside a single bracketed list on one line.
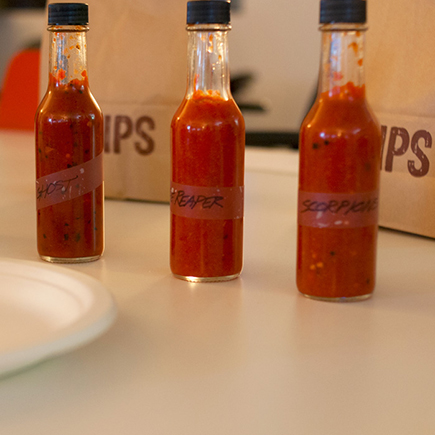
[(250, 356)]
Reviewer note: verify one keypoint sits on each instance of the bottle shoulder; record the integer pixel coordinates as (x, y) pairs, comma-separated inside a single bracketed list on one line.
[(329, 114), (209, 110), (63, 101)]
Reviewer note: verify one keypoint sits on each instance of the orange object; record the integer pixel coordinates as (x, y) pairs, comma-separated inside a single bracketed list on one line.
[(338, 177), (19, 95), (207, 152)]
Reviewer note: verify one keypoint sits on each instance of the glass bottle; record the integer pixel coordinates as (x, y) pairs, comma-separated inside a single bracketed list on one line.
[(207, 149), (69, 147), (340, 149)]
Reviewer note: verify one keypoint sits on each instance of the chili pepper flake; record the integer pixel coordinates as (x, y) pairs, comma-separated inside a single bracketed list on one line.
[(61, 74), (337, 76), (317, 266), (354, 47)]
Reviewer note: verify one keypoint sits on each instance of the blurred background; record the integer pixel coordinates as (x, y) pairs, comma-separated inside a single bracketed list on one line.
[(21, 26), (274, 81), (284, 37)]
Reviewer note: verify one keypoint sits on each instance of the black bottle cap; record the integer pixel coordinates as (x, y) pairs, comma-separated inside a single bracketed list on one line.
[(343, 11), (208, 12), (68, 14)]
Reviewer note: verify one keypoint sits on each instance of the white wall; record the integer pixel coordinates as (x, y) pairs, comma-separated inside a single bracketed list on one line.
[(279, 42)]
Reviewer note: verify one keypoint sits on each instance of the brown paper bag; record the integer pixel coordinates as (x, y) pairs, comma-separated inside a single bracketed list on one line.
[(137, 73), (401, 90)]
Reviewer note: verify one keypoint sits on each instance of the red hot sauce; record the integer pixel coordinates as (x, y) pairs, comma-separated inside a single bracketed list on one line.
[(69, 152), (207, 188), (339, 171), (207, 179), (338, 197)]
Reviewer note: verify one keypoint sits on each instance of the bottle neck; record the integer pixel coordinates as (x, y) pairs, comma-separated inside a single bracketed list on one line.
[(208, 66), (68, 59), (342, 60)]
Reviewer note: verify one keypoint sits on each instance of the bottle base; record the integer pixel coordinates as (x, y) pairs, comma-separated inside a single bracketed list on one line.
[(70, 260), (342, 299), (207, 278)]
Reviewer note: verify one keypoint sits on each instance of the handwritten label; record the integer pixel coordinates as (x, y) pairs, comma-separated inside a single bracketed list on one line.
[(69, 183), (338, 210), (199, 202)]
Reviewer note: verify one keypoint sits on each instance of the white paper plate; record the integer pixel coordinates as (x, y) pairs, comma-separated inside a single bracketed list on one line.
[(47, 310)]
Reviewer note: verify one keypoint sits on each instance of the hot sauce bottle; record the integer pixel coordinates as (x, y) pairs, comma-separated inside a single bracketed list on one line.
[(340, 149), (207, 149), (69, 147)]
